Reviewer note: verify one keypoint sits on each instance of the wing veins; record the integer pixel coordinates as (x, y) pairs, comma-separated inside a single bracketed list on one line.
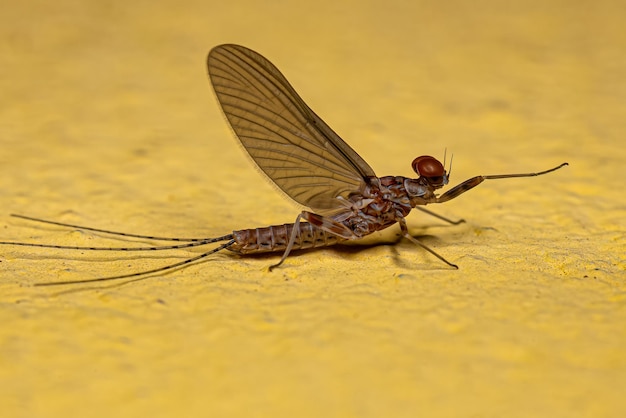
[(281, 133)]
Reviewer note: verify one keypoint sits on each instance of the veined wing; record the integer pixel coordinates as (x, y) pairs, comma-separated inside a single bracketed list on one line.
[(286, 139)]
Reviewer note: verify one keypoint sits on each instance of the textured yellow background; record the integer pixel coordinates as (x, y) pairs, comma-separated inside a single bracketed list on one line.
[(107, 119)]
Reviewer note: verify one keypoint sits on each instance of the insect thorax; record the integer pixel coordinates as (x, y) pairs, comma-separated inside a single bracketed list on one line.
[(378, 205)]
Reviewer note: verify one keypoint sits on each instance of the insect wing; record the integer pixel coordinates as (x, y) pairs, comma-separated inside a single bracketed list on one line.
[(287, 140)]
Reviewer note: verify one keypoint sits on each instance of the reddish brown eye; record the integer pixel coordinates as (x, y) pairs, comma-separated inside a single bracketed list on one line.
[(428, 166)]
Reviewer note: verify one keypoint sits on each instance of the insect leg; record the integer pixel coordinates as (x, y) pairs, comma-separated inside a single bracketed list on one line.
[(405, 234), (292, 240), (329, 225), (324, 223), (459, 189), (475, 181), (442, 218)]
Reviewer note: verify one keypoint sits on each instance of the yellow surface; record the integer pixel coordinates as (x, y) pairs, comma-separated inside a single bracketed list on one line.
[(107, 119)]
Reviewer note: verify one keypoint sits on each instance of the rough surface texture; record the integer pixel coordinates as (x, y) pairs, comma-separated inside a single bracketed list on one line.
[(107, 119)]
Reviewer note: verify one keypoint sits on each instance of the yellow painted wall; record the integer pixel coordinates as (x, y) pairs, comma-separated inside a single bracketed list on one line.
[(107, 119)]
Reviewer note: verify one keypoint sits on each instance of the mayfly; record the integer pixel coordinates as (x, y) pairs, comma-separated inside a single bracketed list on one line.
[(309, 162)]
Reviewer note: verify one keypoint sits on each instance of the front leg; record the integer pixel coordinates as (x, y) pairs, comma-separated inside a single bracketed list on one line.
[(475, 181), (459, 189)]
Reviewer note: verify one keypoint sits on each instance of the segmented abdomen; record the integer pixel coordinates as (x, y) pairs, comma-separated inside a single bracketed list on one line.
[(275, 238)]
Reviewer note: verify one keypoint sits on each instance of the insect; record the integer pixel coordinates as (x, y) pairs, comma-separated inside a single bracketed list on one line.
[(309, 162)]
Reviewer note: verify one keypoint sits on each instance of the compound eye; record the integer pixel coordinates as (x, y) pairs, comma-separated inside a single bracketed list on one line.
[(428, 166)]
